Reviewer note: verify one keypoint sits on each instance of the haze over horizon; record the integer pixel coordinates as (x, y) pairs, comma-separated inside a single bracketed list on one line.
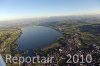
[(17, 9)]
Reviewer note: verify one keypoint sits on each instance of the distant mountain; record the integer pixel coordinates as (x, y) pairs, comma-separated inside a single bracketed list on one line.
[(36, 21)]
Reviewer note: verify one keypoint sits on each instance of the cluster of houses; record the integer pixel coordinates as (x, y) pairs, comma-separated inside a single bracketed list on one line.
[(72, 47)]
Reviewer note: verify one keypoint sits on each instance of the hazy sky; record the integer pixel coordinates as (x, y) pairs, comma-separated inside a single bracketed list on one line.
[(12, 9)]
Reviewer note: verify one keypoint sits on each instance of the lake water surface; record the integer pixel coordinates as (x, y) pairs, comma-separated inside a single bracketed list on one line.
[(37, 37)]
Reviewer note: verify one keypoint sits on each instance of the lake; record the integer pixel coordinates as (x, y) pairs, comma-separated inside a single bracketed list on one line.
[(37, 37)]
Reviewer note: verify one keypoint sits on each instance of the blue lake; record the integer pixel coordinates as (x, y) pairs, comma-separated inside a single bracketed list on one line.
[(37, 37)]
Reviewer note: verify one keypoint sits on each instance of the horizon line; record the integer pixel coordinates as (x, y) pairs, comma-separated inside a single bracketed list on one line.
[(9, 18)]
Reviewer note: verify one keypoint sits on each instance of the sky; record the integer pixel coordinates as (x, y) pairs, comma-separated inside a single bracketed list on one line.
[(14, 9)]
